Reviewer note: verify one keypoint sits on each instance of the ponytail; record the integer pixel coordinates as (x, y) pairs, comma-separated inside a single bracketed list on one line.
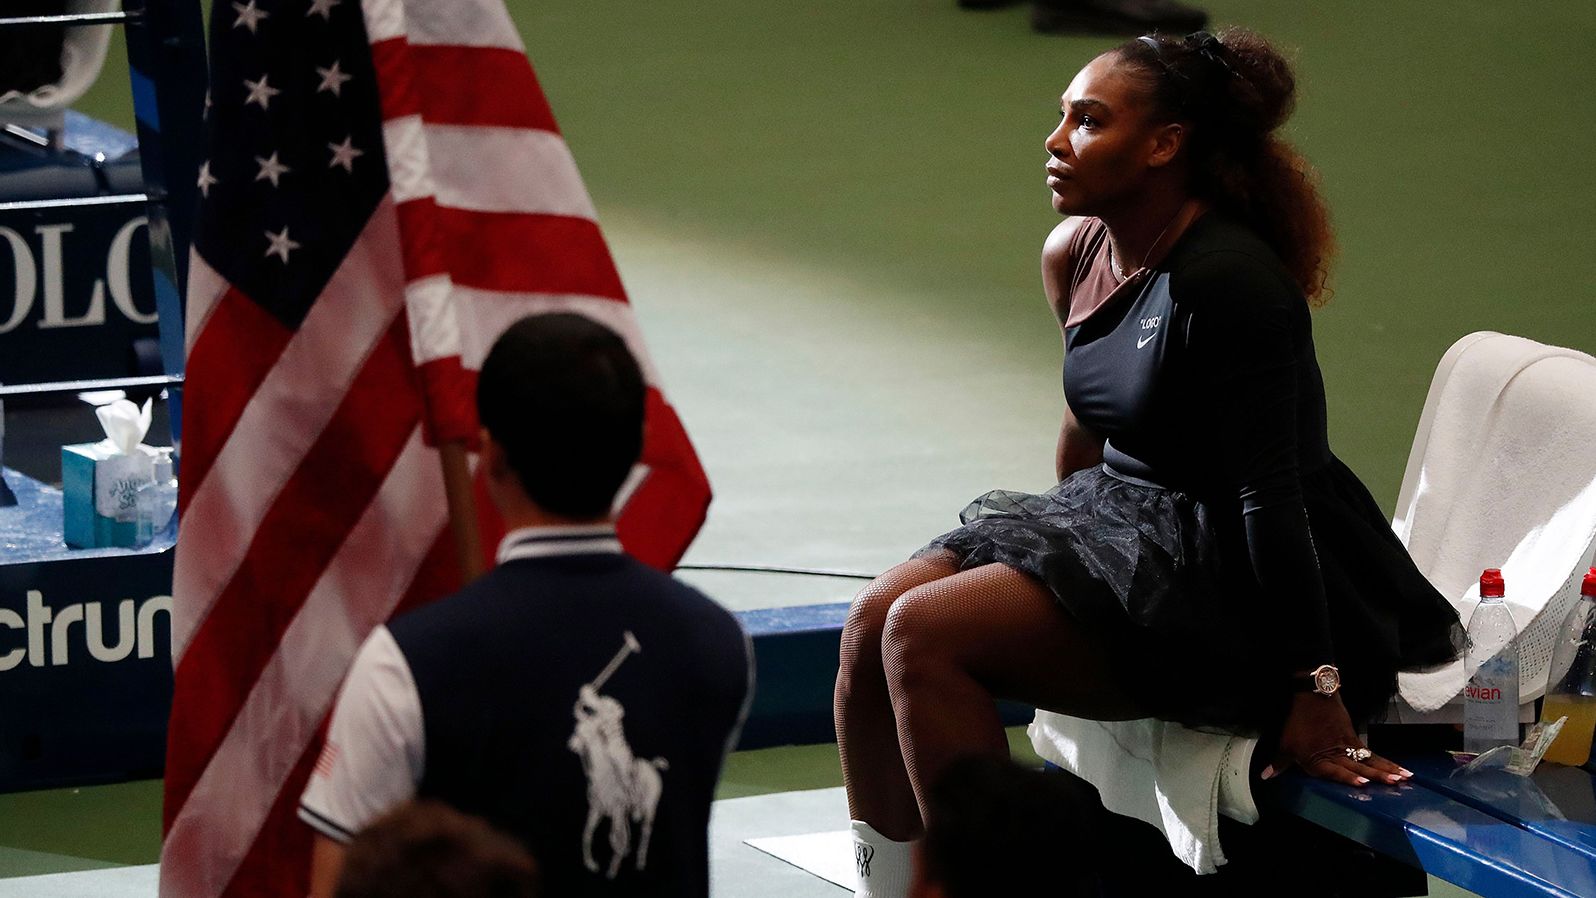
[(1236, 91)]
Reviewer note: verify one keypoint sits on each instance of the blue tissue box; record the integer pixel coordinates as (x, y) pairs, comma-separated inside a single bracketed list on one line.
[(98, 486)]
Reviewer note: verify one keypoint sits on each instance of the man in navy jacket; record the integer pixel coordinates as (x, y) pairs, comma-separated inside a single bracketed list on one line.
[(573, 697)]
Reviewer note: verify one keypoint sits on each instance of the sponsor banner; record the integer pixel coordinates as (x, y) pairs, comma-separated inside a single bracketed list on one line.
[(75, 290), (85, 669)]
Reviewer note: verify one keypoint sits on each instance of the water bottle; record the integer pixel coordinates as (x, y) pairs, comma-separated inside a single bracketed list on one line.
[(1490, 710), (157, 500), (1571, 691)]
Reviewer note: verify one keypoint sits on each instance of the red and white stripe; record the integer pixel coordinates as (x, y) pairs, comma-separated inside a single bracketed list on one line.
[(312, 506), (241, 463), (467, 207), (308, 512)]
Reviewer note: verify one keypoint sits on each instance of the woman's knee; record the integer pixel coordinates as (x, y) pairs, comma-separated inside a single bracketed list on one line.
[(868, 611), (867, 617), (860, 655), (863, 632), (918, 638)]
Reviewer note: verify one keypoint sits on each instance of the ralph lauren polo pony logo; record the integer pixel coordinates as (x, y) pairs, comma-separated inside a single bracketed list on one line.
[(621, 787)]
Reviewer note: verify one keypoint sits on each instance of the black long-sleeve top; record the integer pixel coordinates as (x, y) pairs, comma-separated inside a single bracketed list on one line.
[(1201, 374)]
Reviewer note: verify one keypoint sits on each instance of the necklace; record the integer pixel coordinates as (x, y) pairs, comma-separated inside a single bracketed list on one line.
[(1113, 263)]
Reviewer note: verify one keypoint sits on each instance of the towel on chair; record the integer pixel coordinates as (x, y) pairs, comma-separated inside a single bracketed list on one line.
[(1503, 474), (1176, 778)]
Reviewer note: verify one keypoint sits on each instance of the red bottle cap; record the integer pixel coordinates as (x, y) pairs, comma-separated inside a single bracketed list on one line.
[(1491, 584), (1588, 588)]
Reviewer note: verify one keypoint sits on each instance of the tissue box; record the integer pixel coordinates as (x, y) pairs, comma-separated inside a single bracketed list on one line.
[(99, 487)]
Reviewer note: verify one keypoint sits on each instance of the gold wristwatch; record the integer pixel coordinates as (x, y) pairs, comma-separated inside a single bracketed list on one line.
[(1322, 680)]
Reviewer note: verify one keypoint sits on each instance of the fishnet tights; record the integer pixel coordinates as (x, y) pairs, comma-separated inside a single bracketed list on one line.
[(925, 652), (878, 787)]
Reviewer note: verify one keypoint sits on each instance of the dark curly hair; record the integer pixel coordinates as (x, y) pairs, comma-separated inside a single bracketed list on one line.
[(1236, 91)]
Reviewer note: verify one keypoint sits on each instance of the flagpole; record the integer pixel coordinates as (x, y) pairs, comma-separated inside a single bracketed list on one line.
[(457, 488)]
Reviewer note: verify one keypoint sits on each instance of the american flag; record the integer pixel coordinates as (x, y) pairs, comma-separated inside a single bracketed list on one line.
[(385, 189)]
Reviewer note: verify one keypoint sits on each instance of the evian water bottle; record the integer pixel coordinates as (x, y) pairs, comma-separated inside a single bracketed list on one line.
[(1571, 689), (1490, 711)]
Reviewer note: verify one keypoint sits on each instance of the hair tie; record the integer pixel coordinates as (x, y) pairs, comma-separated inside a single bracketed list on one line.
[(1210, 48)]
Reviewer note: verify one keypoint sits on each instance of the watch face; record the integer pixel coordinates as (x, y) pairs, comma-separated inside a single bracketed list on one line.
[(1326, 680)]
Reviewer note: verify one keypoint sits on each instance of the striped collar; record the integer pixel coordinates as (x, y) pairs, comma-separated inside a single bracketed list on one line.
[(542, 542)]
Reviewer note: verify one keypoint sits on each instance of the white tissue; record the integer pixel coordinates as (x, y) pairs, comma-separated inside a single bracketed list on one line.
[(128, 465), (125, 424)]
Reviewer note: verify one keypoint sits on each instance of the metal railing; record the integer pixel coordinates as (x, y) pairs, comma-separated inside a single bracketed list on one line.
[(74, 19), (60, 387)]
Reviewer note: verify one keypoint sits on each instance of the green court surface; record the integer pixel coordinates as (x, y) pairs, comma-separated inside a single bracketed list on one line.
[(60, 830), (829, 215)]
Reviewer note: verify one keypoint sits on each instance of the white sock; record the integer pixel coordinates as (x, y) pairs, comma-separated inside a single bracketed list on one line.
[(884, 867)]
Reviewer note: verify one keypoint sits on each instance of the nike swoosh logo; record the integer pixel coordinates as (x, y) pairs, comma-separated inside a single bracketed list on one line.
[(1146, 340)]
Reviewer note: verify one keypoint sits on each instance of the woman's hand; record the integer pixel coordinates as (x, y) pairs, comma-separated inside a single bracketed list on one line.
[(1316, 737)]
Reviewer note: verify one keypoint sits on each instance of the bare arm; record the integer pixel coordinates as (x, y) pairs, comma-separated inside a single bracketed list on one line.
[(326, 863), (1078, 447)]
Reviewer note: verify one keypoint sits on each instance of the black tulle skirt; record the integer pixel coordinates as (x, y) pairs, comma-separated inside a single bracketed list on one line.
[(1164, 580)]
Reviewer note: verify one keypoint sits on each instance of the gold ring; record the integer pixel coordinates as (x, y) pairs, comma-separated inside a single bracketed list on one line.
[(1358, 754)]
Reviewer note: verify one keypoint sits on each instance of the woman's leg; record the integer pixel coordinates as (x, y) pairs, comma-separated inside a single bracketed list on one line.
[(878, 786), (952, 646)]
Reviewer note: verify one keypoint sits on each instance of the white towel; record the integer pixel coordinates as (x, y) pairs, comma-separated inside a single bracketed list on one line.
[(1503, 474), (1176, 778)]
